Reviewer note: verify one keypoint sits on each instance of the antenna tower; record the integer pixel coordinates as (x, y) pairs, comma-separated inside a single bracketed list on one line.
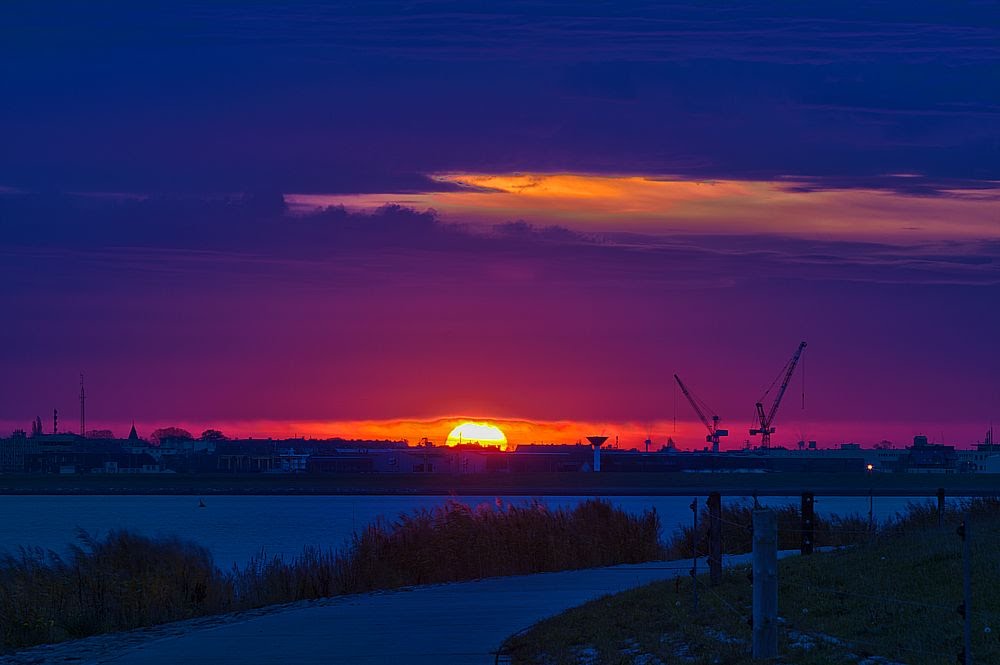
[(83, 412)]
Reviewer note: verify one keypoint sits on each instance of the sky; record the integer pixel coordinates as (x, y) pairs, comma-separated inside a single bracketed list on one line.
[(380, 219)]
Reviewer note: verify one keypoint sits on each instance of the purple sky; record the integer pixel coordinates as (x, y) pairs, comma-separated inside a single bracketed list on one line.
[(318, 219)]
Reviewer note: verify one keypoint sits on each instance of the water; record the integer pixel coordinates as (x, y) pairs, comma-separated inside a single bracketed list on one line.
[(234, 528)]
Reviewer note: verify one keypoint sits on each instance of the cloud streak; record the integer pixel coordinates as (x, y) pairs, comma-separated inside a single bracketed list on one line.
[(366, 98), (686, 235), (758, 31)]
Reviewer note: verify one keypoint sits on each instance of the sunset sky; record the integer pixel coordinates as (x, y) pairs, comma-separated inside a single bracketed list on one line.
[(379, 219)]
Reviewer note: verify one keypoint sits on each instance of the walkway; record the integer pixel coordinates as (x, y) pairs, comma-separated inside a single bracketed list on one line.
[(447, 624)]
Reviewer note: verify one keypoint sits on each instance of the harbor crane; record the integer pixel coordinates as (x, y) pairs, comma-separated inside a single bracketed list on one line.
[(712, 425), (764, 422)]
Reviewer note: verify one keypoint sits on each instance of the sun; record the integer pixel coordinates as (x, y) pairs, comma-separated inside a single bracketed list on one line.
[(484, 434)]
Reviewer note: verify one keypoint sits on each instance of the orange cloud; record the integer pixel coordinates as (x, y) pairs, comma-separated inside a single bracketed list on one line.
[(650, 204)]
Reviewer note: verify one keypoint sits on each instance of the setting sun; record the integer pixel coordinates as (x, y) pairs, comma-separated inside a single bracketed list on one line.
[(484, 434)]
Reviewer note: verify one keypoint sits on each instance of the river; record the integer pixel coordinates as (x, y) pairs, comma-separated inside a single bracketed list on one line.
[(234, 528)]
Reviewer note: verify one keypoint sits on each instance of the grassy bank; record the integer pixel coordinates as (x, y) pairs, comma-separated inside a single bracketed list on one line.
[(894, 595), (127, 581)]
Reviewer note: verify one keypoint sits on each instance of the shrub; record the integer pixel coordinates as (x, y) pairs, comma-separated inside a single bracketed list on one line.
[(126, 581), (120, 582)]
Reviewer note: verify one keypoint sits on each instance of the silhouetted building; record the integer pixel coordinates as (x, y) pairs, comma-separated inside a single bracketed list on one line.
[(924, 457), (13, 451)]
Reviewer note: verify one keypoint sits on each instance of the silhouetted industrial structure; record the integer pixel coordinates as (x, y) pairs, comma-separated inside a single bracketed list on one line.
[(765, 421), (596, 442), (714, 431)]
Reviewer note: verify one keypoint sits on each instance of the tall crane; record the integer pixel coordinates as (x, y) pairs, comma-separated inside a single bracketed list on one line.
[(764, 422), (714, 433)]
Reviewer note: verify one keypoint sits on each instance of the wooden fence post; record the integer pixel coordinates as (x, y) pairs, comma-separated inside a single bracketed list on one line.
[(694, 554), (715, 538), (966, 608), (808, 522), (940, 504), (765, 584)]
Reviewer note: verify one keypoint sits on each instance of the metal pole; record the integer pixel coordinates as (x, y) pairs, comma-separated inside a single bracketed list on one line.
[(694, 553), (808, 522), (964, 532), (940, 498), (715, 538), (765, 584), (871, 511)]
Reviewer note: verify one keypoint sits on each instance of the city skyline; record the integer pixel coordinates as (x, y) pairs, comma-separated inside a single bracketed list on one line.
[(685, 434)]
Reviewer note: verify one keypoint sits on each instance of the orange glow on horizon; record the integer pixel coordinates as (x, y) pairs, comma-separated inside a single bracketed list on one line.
[(687, 435)]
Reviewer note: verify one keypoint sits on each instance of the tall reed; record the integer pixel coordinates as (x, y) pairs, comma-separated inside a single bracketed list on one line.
[(126, 581)]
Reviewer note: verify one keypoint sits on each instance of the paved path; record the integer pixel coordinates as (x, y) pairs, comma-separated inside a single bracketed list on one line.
[(447, 624)]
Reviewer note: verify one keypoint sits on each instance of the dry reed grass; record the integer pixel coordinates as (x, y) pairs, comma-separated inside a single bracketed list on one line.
[(126, 581)]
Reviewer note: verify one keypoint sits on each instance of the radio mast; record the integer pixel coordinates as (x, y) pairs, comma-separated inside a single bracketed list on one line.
[(83, 411)]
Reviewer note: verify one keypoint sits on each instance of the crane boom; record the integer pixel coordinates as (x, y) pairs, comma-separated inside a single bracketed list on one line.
[(714, 433), (694, 404), (761, 417), (784, 383), (765, 421)]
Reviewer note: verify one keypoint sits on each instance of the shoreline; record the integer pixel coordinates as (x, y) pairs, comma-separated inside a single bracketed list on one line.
[(529, 484)]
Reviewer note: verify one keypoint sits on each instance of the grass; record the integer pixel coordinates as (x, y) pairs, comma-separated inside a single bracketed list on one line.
[(893, 596), (127, 581)]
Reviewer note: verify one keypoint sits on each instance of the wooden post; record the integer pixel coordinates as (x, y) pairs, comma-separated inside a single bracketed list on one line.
[(964, 533), (765, 584), (871, 512), (694, 553), (808, 522), (940, 498), (715, 538)]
